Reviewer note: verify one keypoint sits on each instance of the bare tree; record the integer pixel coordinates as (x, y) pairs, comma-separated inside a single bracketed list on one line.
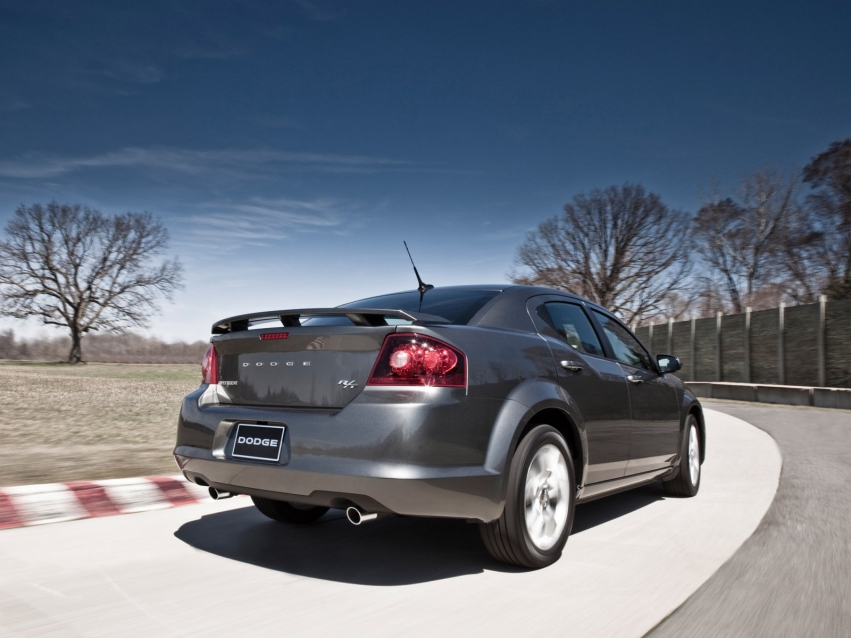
[(621, 247), (829, 175), (77, 268), (801, 250), (741, 238)]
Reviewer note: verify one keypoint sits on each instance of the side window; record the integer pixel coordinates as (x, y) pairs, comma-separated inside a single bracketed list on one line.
[(574, 326), (626, 347)]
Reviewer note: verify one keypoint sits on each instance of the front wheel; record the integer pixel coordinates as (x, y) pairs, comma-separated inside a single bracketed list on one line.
[(687, 481), (284, 512), (539, 507)]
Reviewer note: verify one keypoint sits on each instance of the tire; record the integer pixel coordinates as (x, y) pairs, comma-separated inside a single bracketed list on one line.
[(542, 460), (284, 512), (687, 481)]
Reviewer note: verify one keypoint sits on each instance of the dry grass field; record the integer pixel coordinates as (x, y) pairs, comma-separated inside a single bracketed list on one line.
[(62, 423)]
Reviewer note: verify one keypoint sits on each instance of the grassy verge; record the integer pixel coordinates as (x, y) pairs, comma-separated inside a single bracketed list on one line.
[(63, 423)]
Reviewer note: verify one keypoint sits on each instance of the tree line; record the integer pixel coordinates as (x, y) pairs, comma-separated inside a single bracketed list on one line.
[(127, 347), (778, 236)]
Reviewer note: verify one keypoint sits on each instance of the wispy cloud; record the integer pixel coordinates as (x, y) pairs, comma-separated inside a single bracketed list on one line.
[(186, 161), (132, 73), (261, 220)]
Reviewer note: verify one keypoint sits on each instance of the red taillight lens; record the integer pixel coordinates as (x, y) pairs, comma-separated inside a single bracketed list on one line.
[(411, 359), (210, 366)]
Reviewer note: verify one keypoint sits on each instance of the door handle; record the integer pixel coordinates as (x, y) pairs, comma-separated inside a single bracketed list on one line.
[(634, 378), (573, 366)]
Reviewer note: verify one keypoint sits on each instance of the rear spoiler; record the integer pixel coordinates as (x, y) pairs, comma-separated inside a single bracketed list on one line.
[(292, 318)]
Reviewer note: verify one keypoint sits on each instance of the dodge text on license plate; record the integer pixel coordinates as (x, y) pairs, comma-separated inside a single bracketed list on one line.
[(259, 442)]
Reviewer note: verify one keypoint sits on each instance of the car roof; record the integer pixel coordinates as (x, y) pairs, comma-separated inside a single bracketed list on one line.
[(530, 291), (507, 309)]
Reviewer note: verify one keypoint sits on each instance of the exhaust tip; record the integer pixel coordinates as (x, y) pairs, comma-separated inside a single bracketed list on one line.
[(357, 516), (218, 495)]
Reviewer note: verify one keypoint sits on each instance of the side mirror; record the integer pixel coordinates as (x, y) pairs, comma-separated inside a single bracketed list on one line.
[(668, 363)]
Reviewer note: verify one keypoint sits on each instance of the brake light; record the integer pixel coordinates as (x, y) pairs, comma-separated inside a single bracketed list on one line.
[(412, 359), (210, 366), (266, 336)]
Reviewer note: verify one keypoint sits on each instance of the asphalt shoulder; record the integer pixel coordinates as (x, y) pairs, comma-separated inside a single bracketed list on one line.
[(792, 577)]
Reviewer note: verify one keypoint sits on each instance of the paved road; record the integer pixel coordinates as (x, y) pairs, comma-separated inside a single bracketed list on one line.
[(793, 576), (221, 568)]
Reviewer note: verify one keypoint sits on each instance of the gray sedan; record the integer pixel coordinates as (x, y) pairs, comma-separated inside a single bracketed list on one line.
[(502, 405)]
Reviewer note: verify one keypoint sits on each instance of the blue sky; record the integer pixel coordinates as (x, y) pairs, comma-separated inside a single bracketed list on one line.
[(291, 146)]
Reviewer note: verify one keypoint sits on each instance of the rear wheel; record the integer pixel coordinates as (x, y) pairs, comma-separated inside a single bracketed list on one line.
[(687, 481), (288, 512), (539, 506)]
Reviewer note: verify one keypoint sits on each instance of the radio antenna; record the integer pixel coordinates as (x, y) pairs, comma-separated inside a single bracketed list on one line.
[(423, 287)]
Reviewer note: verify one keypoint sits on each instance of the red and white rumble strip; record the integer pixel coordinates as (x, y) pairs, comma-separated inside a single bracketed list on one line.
[(56, 502)]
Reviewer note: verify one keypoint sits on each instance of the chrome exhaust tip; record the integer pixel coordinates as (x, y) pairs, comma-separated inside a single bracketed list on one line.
[(357, 516), (218, 495)]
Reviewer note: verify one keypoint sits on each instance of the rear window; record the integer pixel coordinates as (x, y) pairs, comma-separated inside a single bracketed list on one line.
[(456, 306)]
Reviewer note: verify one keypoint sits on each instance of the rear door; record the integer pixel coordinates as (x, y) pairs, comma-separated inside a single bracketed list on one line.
[(655, 410), (597, 386)]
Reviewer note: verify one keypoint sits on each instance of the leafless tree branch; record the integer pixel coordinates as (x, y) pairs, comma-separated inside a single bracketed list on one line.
[(742, 239), (621, 247), (829, 204)]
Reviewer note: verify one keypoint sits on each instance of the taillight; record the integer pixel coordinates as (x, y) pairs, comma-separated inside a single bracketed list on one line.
[(210, 366), (412, 359)]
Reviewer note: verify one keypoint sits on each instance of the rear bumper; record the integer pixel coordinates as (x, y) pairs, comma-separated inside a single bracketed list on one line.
[(474, 496), (418, 453)]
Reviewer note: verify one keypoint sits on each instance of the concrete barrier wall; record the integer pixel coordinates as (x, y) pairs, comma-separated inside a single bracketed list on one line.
[(807, 346), (832, 398), (780, 394)]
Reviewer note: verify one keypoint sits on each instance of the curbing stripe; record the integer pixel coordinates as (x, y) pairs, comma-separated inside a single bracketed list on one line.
[(8, 514), (94, 498), (57, 502), (174, 490), (51, 503), (136, 495)]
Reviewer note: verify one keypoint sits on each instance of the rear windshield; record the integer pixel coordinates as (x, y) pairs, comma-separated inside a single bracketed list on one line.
[(456, 306)]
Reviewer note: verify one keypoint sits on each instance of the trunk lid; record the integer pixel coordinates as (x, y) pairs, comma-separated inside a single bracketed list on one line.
[(317, 367)]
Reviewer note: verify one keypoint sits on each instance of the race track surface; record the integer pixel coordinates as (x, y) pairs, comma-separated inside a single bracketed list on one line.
[(223, 569), (793, 576)]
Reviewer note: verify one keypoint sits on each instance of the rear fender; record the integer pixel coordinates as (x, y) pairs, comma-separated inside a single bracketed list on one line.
[(518, 411)]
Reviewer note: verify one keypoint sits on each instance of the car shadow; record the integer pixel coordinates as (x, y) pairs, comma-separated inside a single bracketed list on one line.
[(388, 552), (590, 515)]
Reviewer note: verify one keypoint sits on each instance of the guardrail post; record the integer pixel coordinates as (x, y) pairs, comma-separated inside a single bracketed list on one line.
[(781, 329), (691, 352), (747, 344), (718, 346), (822, 355), (670, 336)]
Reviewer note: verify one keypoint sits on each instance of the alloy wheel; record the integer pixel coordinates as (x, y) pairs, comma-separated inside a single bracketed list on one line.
[(546, 496), (693, 455)]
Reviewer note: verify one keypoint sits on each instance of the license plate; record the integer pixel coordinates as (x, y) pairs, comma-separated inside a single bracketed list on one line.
[(260, 442)]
